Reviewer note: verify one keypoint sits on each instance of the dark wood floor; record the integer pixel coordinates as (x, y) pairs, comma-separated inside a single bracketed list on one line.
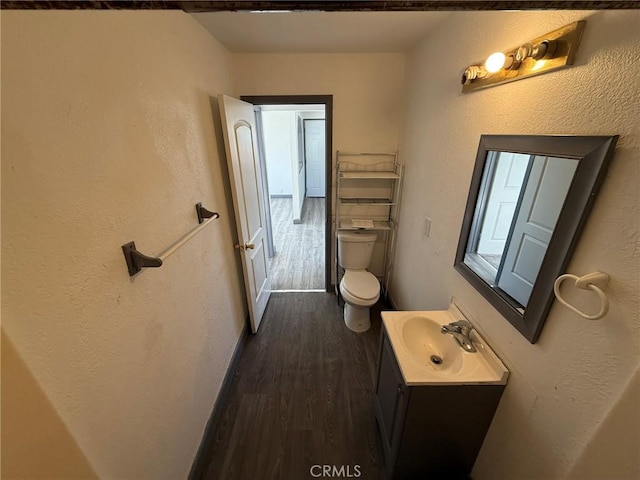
[(301, 396)]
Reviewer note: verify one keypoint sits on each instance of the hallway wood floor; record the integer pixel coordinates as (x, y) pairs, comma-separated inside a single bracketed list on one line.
[(302, 395), (300, 254)]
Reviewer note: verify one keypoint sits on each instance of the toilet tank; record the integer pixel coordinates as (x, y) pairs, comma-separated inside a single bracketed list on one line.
[(355, 249)]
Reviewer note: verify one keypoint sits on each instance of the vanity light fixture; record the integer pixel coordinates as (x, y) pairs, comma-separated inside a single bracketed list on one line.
[(549, 52)]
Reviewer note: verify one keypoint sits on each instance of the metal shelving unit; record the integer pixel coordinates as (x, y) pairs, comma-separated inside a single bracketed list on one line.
[(368, 187)]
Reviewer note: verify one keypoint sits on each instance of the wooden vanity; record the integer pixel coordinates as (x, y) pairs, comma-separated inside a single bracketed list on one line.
[(429, 431)]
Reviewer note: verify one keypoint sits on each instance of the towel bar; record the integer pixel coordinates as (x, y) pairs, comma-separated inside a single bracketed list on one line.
[(136, 261)]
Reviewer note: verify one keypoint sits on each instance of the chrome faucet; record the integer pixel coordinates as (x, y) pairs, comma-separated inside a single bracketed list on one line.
[(461, 331)]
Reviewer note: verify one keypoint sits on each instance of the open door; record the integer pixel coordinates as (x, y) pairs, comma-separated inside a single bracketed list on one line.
[(241, 146)]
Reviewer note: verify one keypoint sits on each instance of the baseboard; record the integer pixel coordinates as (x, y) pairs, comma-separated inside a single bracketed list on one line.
[(202, 455)]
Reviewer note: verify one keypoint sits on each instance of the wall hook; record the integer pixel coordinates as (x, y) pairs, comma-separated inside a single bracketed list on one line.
[(203, 213), (595, 281)]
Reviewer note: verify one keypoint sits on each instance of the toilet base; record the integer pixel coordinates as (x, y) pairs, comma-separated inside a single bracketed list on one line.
[(356, 318)]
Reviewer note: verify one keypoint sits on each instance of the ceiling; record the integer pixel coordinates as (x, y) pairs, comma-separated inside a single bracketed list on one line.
[(319, 32)]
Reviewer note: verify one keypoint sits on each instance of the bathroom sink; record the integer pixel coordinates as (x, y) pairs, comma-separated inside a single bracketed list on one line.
[(426, 356), (427, 346)]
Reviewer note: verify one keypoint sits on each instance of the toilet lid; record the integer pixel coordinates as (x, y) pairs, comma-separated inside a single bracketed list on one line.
[(361, 284)]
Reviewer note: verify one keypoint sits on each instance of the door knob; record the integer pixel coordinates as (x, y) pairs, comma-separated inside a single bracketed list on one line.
[(246, 246)]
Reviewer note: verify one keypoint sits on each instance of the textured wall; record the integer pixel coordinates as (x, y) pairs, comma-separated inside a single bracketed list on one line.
[(613, 451), (366, 88), (108, 136), (561, 387), (32, 429)]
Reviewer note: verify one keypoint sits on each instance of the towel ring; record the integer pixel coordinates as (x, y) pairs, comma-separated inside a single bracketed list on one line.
[(586, 282)]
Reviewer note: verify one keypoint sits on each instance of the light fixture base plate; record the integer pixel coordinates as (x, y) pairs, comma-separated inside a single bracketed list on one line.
[(567, 40)]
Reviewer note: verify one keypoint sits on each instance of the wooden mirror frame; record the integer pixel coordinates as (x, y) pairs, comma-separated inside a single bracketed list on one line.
[(593, 154)]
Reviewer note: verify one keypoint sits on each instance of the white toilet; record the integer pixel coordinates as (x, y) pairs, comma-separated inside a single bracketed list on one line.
[(360, 289)]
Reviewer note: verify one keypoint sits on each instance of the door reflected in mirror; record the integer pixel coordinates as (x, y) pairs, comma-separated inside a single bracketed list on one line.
[(520, 199), (528, 201)]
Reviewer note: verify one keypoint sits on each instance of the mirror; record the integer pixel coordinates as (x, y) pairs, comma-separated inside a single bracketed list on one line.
[(528, 201)]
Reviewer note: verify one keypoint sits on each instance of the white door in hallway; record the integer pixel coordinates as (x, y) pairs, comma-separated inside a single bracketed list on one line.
[(314, 151), (240, 141)]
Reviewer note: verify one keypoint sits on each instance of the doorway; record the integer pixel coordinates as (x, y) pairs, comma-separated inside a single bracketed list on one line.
[(295, 143)]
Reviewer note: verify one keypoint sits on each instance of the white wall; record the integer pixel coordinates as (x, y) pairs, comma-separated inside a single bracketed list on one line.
[(278, 151), (108, 136), (562, 387)]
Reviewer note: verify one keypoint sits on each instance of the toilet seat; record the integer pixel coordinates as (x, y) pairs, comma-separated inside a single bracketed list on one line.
[(360, 287)]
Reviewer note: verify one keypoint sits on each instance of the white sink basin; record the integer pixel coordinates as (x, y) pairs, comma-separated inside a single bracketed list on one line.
[(426, 356), (427, 346)]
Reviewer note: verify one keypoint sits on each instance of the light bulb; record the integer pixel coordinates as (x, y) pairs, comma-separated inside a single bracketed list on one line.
[(495, 62)]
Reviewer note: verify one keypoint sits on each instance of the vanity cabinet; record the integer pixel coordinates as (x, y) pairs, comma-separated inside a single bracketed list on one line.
[(429, 431)]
